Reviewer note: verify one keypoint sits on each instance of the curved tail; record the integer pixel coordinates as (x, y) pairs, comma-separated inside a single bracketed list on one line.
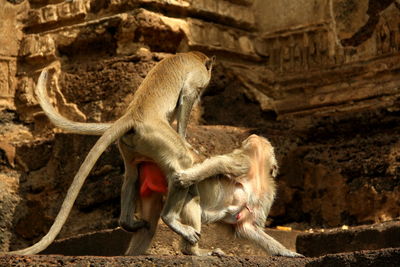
[(58, 120), (118, 129)]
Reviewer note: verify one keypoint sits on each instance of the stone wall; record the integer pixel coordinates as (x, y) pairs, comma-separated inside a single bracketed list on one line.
[(308, 56), (10, 28), (334, 59), (318, 78), (73, 32)]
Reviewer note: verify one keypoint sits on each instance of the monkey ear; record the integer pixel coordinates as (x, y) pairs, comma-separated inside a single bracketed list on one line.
[(210, 62), (274, 171)]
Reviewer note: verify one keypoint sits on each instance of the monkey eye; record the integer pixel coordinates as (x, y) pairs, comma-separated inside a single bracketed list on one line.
[(131, 131)]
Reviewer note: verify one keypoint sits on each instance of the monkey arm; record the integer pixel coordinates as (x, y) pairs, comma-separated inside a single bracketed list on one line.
[(187, 98), (235, 164), (185, 105)]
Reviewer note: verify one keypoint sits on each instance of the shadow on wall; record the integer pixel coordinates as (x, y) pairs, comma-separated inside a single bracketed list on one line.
[(375, 7)]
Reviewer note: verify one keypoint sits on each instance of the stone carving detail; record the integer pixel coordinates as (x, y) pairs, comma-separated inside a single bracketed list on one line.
[(217, 37), (314, 47), (222, 11), (300, 49), (7, 82), (387, 38), (37, 46), (57, 12), (5, 88)]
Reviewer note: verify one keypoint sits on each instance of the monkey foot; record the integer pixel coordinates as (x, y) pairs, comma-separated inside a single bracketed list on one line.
[(187, 232), (191, 235), (203, 252), (134, 226)]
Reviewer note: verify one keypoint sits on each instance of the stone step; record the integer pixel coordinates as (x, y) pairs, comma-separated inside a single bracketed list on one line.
[(365, 237), (384, 257), (113, 242)]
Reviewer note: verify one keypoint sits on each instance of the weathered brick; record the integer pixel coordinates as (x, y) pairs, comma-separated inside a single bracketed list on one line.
[(38, 46)]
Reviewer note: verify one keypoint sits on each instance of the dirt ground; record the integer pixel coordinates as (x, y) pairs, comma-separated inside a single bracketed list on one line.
[(386, 257)]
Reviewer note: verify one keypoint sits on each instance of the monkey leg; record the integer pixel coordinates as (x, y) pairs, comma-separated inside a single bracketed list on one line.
[(191, 215), (251, 232), (160, 142), (129, 193), (171, 215), (141, 239), (211, 216)]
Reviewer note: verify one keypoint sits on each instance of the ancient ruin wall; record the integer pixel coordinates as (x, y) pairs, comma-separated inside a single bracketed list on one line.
[(319, 78)]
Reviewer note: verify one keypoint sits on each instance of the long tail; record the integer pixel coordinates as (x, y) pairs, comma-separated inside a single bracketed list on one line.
[(119, 128), (58, 120)]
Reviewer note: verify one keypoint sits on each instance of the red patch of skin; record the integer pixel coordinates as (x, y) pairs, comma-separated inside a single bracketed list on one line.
[(152, 179), (244, 214)]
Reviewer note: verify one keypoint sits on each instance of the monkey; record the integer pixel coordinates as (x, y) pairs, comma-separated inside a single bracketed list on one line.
[(151, 206), (243, 201), (168, 91)]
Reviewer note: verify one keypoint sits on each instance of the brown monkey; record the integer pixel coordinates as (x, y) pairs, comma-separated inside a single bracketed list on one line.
[(168, 91), (243, 201), (143, 236)]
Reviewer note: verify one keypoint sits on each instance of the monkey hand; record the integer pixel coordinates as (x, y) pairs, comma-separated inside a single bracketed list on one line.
[(181, 179), (236, 169), (191, 235)]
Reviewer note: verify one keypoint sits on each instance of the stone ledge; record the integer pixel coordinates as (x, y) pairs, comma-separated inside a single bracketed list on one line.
[(386, 257), (242, 2), (356, 86), (8, 68), (113, 242), (57, 12), (190, 34), (223, 12), (301, 103), (367, 237)]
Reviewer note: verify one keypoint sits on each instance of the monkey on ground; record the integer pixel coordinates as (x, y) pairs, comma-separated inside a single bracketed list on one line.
[(168, 92), (242, 201)]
